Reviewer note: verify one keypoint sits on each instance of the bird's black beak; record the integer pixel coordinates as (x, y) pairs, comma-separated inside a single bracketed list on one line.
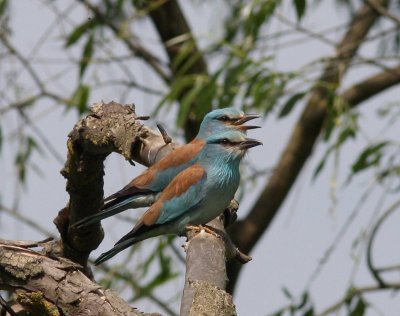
[(249, 142), (246, 118), (244, 128)]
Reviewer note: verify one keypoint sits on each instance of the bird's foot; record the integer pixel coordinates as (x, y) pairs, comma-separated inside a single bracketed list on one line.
[(199, 228)]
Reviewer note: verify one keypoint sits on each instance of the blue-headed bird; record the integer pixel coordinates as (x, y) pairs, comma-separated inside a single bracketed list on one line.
[(143, 190), (196, 195)]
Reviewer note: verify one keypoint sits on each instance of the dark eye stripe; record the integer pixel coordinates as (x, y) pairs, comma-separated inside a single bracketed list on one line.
[(226, 118)]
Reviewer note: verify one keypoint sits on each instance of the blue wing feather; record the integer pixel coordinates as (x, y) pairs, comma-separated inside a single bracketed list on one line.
[(183, 203)]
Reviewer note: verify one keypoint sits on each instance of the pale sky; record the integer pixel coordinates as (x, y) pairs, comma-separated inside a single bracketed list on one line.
[(308, 221)]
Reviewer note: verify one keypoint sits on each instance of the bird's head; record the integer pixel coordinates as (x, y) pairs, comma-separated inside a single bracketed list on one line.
[(226, 119), (230, 145)]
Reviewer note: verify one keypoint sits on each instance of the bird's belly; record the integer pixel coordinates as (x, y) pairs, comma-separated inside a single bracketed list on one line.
[(208, 212)]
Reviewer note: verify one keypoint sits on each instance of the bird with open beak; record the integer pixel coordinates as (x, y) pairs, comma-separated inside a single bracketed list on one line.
[(196, 195), (143, 190)]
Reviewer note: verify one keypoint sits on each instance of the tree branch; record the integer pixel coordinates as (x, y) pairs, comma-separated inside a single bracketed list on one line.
[(205, 279), (114, 128), (356, 292), (176, 36), (137, 49), (374, 271), (370, 87), (108, 128), (48, 286), (247, 232)]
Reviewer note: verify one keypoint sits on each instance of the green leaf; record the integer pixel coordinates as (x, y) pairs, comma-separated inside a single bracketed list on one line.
[(279, 313), (3, 6), (300, 6), (345, 134), (80, 98), (86, 55), (28, 145), (304, 300), (187, 102), (359, 309), (289, 105), (287, 293), (369, 157), (79, 31), (259, 15), (164, 275), (309, 312)]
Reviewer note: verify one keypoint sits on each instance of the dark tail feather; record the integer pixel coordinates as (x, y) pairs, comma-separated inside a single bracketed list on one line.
[(115, 207), (107, 212), (133, 237), (116, 249), (137, 232)]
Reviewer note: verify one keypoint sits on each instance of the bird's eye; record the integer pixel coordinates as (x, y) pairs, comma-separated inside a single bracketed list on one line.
[(224, 118), (225, 141)]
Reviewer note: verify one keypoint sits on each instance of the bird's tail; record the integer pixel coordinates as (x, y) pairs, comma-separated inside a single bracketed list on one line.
[(130, 239), (116, 249), (114, 207)]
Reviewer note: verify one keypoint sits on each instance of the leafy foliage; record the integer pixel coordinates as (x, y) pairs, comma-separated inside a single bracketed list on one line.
[(27, 147), (79, 99), (241, 73)]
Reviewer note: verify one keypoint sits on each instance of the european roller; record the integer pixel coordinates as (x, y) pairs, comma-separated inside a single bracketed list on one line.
[(196, 195), (143, 190)]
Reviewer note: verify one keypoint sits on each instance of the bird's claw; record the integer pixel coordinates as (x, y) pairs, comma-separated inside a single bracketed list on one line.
[(199, 228)]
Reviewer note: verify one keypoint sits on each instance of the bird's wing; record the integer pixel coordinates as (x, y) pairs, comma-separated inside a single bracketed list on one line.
[(183, 194), (143, 183)]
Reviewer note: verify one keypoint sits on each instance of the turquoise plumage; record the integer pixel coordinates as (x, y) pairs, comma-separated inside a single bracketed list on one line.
[(196, 195), (144, 189)]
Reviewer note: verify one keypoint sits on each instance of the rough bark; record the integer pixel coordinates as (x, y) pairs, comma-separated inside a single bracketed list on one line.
[(206, 258), (247, 233), (54, 286), (108, 128)]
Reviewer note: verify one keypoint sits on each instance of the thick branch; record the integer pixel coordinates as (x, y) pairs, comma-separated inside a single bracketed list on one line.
[(246, 233), (206, 275), (47, 286), (108, 128), (372, 86), (177, 37)]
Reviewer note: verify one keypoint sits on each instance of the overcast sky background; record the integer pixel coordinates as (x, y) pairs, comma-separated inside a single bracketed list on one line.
[(306, 225)]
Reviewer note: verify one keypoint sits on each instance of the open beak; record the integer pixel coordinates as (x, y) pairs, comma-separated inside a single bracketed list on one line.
[(244, 128), (249, 142), (244, 119)]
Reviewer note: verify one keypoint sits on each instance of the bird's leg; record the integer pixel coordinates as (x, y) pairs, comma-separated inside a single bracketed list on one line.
[(199, 228)]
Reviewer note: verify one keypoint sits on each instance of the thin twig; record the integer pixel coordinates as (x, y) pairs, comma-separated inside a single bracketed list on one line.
[(42, 137), (341, 233), (24, 62), (356, 292), (371, 267), (114, 273), (166, 137), (383, 11), (135, 48), (7, 307), (26, 220)]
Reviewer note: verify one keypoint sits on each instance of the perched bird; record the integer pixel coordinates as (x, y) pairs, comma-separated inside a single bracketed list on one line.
[(196, 195), (144, 189)]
